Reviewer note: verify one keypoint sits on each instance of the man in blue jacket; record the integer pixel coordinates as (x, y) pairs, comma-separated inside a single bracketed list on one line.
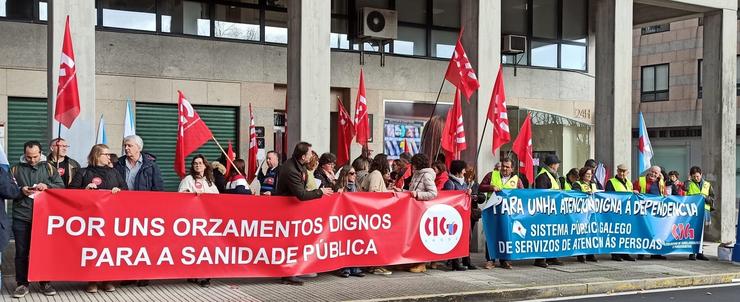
[(141, 173)]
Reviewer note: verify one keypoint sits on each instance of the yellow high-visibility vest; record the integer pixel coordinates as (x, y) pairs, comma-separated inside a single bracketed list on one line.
[(619, 187), (554, 184)]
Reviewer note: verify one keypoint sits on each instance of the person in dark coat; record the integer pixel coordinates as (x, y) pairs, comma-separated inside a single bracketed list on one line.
[(98, 175), (141, 173), (325, 171), (139, 169), (292, 182), (268, 178)]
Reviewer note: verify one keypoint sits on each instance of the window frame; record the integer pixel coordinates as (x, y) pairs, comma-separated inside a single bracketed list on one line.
[(654, 92), (699, 86), (35, 18), (559, 41)]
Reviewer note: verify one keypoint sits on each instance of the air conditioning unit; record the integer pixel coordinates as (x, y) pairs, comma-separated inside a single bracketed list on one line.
[(377, 24), (513, 44)]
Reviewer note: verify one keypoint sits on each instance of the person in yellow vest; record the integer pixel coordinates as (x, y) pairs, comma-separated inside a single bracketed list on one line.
[(547, 178), (567, 182), (620, 183), (586, 185), (694, 186), (495, 181), (651, 183)]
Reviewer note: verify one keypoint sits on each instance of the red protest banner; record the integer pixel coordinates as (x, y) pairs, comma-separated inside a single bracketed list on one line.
[(95, 235)]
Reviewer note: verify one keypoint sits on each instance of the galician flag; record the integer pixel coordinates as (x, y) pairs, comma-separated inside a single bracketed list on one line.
[(643, 145), (101, 137), (129, 126)]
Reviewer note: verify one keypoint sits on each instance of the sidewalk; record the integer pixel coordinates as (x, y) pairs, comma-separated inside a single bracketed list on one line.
[(522, 282)]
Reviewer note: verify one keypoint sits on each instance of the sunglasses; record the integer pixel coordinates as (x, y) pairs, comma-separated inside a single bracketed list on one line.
[(351, 173)]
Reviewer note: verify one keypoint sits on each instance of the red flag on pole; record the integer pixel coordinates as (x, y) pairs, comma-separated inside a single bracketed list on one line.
[(497, 113), (68, 98), (453, 135), (192, 133), (460, 72), (523, 149), (362, 124), (345, 132), (252, 165), (230, 154)]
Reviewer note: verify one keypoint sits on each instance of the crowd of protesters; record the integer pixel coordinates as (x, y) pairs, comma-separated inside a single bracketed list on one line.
[(306, 176)]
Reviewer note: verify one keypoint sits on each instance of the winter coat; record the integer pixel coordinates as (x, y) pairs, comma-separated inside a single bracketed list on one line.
[(268, 179), (292, 180), (8, 190), (238, 185), (106, 178), (190, 184), (326, 182), (27, 176), (149, 177), (74, 166), (373, 182), (423, 183)]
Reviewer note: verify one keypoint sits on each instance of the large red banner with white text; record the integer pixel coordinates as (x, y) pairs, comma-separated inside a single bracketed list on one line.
[(95, 235)]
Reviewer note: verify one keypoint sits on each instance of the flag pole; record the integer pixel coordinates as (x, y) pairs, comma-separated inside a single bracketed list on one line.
[(477, 154), (226, 155), (429, 120)]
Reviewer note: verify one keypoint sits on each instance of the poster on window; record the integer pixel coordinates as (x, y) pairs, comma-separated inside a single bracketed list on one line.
[(401, 136)]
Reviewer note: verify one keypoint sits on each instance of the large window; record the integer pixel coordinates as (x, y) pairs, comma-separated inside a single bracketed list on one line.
[(557, 32), (427, 27), (654, 83), (25, 10)]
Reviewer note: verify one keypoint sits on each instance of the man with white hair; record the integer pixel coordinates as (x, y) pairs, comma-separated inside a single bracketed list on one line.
[(138, 168), (141, 173)]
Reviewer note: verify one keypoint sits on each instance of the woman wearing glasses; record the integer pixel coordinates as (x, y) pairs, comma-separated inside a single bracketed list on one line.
[(99, 175), (347, 182), (200, 179)]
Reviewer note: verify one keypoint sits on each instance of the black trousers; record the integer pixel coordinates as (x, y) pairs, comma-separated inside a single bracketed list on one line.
[(22, 233)]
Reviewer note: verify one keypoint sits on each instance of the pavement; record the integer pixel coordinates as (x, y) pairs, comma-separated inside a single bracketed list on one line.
[(717, 293), (523, 282)]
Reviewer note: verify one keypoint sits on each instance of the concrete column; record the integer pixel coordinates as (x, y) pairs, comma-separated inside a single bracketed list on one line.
[(482, 42), (718, 118), (309, 66), (81, 14), (613, 107)]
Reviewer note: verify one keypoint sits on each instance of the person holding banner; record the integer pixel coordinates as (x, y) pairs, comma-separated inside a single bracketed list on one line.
[(33, 175), (547, 178), (586, 185), (237, 182), (99, 175), (422, 188), (66, 166), (268, 178), (347, 183), (200, 179), (456, 182), (570, 178), (325, 171), (696, 185), (499, 179), (375, 180), (620, 183), (8, 190), (651, 183), (293, 180), (141, 172)]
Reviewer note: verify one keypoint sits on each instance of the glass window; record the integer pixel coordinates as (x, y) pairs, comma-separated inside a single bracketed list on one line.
[(446, 13), (443, 43), (130, 14), (574, 20), (339, 34), (413, 11), (411, 41), (648, 79), (17, 9), (277, 3), (545, 19), (339, 7), (661, 77), (514, 17), (544, 54), (573, 56), (520, 59), (44, 14), (373, 3), (276, 27), (237, 23), (185, 17)]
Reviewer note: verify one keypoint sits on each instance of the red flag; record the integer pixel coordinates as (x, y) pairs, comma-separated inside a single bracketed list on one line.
[(460, 72), (453, 134), (68, 98), (362, 124), (231, 155), (497, 113), (345, 132), (523, 149), (252, 165), (192, 133)]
